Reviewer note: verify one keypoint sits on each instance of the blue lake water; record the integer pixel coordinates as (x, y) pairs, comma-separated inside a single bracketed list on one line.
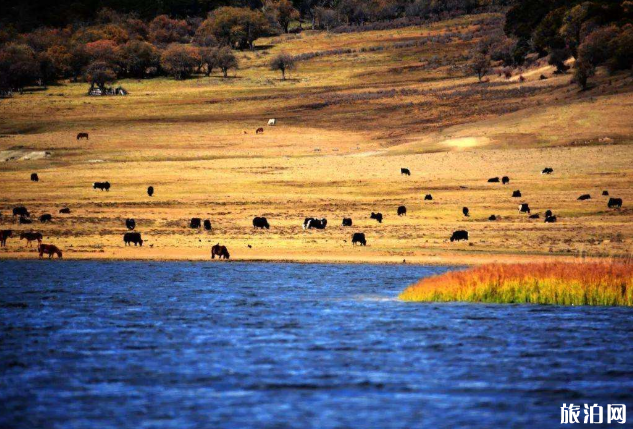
[(233, 345)]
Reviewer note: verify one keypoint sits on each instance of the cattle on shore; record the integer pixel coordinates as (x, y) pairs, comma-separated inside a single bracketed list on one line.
[(402, 211), (359, 238), (459, 235), (31, 236), (65, 210), (35, 177), (194, 223), (347, 221), (21, 211), (505, 180), (47, 217), (405, 171), (133, 237), (534, 216), (493, 180), (220, 252), (311, 222), (272, 122), (82, 136), (428, 197), (492, 218), (24, 220), (104, 186), (466, 211), (259, 131), (548, 213), (4, 234), (130, 224), (260, 222), (550, 219), (516, 194), (614, 203), (150, 191), (524, 208), (376, 216), (207, 225), (584, 197), (605, 193), (50, 250), (547, 170)]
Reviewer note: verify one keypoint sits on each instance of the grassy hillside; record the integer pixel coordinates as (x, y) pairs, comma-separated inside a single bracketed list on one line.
[(361, 106)]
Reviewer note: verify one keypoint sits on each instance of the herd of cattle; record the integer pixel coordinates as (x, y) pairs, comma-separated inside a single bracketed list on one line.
[(129, 238)]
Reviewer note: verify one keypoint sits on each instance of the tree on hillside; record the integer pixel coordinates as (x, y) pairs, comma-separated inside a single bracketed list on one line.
[(283, 62), (234, 26), (138, 57), (100, 73), (480, 65), (179, 61), (19, 66), (282, 12), (104, 51), (164, 30), (210, 59), (226, 60), (327, 18)]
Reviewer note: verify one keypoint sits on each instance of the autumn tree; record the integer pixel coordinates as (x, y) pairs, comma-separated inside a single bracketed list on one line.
[(226, 60), (137, 57), (179, 61), (19, 66), (209, 59), (233, 26), (283, 62), (282, 11), (164, 30), (99, 73), (480, 65)]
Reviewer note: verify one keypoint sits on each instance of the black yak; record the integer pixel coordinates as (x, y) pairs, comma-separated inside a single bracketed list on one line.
[(359, 238)]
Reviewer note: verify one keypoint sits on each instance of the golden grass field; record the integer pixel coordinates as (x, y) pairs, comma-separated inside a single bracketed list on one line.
[(346, 125)]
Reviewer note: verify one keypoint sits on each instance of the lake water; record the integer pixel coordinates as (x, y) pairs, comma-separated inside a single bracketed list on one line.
[(234, 345)]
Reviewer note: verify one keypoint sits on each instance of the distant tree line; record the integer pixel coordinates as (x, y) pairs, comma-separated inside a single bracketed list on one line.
[(594, 33)]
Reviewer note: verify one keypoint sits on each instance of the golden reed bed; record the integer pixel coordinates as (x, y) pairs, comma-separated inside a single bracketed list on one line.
[(560, 283)]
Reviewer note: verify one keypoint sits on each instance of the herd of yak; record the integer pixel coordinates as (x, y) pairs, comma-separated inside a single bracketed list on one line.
[(129, 238)]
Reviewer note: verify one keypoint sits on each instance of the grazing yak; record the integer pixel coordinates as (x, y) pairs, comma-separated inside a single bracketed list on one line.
[(150, 191), (104, 186), (405, 171), (31, 236), (259, 131), (524, 208), (133, 237), (459, 235), (34, 177), (50, 250), (493, 180), (550, 219), (428, 197), (220, 252), (547, 170), (516, 194), (24, 220), (584, 197), (505, 180), (534, 216), (347, 221), (130, 224), (492, 217), (207, 225), (402, 211), (65, 210), (272, 122), (311, 222), (359, 238), (466, 211), (21, 211), (605, 193), (194, 223), (4, 234), (615, 203), (82, 136), (548, 213), (260, 222), (47, 217), (377, 216)]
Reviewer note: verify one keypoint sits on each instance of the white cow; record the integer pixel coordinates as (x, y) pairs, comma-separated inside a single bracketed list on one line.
[(272, 122)]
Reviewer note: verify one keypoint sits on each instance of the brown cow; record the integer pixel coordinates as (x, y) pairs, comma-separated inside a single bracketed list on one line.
[(259, 131), (82, 136), (31, 236), (220, 251), (50, 250)]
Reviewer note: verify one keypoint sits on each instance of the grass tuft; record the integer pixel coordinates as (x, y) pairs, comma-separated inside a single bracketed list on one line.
[(607, 283)]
